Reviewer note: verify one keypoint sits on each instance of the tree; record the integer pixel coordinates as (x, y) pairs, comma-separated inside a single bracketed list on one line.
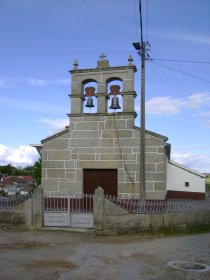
[(7, 169), (37, 171)]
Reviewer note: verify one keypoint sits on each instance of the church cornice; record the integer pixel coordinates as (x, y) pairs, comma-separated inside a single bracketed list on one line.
[(107, 69), (103, 114)]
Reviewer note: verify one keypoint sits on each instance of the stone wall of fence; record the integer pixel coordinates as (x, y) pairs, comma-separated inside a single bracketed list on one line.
[(27, 212), (14, 217), (17, 215), (110, 218)]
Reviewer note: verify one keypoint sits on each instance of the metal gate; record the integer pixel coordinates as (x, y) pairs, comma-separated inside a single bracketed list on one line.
[(66, 209)]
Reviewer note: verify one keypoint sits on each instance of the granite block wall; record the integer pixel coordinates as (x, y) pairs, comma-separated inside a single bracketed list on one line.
[(103, 142)]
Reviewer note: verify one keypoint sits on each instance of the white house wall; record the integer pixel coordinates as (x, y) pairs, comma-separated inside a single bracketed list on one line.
[(177, 175)]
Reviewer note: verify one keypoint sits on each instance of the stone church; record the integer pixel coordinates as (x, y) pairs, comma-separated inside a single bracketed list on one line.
[(101, 145)]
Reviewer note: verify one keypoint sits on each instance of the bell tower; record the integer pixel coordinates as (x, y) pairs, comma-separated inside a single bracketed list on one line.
[(104, 77)]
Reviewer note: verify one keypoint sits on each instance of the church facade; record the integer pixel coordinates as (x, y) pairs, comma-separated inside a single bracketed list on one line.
[(101, 144)]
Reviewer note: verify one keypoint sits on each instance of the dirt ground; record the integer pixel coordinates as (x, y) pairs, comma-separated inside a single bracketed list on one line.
[(37, 255)]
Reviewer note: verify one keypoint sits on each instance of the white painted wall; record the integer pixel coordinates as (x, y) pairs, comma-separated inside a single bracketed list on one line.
[(178, 174)]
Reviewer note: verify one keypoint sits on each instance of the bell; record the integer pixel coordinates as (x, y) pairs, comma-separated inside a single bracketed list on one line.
[(89, 102), (115, 103)]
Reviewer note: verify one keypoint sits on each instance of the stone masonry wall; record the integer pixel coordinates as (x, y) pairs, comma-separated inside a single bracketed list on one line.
[(110, 218), (108, 141)]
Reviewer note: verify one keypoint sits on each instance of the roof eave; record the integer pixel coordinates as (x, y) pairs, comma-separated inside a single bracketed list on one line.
[(152, 133), (187, 168)]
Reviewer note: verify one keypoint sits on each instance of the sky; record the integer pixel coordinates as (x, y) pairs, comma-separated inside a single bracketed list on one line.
[(41, 38)]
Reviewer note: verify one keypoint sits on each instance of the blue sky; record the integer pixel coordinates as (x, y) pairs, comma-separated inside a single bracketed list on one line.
[(41, 38)]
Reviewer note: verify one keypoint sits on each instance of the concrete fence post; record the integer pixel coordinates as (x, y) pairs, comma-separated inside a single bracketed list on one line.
[(98, 210)]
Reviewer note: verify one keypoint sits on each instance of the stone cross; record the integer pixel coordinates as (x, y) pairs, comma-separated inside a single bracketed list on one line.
[(102, 63), (102, 56)]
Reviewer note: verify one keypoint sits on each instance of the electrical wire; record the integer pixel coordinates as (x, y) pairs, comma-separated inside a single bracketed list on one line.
[(180, 91), (85, 52), (147, 20), (121, 153), (141, 27), (185, 73), (64, 44), (136, 25), (178, 60)]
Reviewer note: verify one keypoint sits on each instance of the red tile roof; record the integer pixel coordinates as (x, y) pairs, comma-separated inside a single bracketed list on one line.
[(9, 180)]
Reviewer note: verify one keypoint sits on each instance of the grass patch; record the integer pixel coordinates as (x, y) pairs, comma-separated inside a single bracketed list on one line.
[(199, 228), (192, 229)]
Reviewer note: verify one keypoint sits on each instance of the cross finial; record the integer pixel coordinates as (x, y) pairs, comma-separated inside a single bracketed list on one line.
[(102, 56), (102, 62)]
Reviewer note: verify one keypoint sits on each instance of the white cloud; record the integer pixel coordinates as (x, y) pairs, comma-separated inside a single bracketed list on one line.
[(207, 124), (195, 38), (18, 156), (28, 105), (198, 99), (43, 82), (205, 114), (205, 40), (197, 162), (164, 105), (36, 82), (172, 106), (55, 125), (33, 82), (23, 104)]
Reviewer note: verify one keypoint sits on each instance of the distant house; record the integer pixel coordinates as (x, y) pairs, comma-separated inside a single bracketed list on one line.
[(102, 147), (12, 185), (183, 182), (26, 190), (12, 190)]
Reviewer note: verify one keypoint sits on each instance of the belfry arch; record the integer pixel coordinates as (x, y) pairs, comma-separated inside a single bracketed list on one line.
[(90, 96), (115, 88)]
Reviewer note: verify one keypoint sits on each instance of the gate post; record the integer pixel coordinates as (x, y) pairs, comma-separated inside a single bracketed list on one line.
[(98, 210), (37, 207)]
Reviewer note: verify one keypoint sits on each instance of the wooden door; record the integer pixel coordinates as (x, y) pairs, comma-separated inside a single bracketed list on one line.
[(105, 178)]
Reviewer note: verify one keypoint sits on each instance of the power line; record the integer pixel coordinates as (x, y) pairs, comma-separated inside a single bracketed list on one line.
[(147, 20), (179, 90), (135, 19), (49, 52), (141, 27), (178, 60), (42, 44), (171, 68)]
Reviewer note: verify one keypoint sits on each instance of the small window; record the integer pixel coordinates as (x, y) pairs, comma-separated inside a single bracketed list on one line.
[(187, 184)]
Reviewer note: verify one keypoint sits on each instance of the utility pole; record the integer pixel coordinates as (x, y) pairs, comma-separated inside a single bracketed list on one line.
[(142, 177), (142, 49)]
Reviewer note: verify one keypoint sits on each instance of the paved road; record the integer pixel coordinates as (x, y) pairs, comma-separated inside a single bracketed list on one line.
[(38, 255)]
